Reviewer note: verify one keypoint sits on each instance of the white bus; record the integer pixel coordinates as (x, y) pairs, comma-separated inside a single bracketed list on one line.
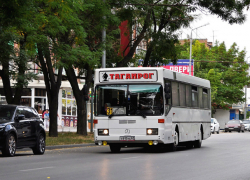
[(150, 106)]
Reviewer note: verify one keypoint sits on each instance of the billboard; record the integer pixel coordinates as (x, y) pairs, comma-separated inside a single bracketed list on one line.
[(182, 66)]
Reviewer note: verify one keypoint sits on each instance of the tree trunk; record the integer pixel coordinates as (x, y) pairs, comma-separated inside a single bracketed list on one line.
[(5, 75), (148, 55), (80, 96), (81, 117), (52, 85), (53, 108)]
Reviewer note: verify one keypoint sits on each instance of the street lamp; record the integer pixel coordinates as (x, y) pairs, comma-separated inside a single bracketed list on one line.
[(190, 60)]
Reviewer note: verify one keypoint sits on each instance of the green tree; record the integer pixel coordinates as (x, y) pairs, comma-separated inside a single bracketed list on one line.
[(56, 35), (16, 52), (226, 70), (156, 23), (74, 31)]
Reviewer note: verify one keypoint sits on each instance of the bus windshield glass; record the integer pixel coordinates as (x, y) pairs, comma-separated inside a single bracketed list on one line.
[(129, 100)]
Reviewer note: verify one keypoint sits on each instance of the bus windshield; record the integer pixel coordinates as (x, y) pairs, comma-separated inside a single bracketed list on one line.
[(129, 100)]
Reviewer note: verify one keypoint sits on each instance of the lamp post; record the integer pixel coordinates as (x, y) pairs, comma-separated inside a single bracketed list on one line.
[(190, 57)]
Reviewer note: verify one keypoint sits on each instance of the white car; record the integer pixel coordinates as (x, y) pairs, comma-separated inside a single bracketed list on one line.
[(215, 126), (246, 124)]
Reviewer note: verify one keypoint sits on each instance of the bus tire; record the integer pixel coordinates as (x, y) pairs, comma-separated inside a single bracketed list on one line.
[(173, 146), (197, 143), (115, 148)]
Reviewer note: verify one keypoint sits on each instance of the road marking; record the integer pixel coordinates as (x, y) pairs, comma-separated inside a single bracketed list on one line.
[(36, 169), (130, 157)]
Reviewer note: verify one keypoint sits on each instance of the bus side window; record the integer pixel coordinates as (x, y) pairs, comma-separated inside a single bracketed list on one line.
[(182, 90), (205, 98), (194, 96), (201, 105), (175, 94), (188, 96)]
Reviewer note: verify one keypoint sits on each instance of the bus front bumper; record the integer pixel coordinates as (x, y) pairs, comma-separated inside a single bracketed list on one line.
[(130, 141)]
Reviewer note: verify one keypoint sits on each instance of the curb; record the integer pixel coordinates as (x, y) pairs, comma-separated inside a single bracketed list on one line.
[(61, 147), (69, 146)]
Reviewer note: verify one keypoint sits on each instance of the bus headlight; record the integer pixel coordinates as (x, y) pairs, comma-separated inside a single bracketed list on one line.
[(152, 131), (103, 132)]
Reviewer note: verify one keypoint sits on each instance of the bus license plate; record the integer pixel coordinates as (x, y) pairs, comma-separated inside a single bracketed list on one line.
[(127, 138)]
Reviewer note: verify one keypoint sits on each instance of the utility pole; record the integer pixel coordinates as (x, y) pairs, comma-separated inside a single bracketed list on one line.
[(246, 105), (213, 36), (190, 58), (103, 40), (104, 50)]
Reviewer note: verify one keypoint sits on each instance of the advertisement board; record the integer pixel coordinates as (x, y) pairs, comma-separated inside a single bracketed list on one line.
[(182, 66)]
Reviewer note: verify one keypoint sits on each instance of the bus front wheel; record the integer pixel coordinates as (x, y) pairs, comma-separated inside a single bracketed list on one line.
[(115, 148), (173, 146)]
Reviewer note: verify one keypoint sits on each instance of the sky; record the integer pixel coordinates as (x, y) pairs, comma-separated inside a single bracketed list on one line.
[(221, 31)]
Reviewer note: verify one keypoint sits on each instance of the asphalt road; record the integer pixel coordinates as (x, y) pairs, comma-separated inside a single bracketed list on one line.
[(224, 156)]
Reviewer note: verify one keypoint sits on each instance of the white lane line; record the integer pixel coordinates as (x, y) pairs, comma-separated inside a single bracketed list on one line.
[(130, 157), (36, 169)]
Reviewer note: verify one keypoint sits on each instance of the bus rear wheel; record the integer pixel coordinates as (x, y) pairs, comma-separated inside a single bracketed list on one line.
[(115, 148), (197, 143)]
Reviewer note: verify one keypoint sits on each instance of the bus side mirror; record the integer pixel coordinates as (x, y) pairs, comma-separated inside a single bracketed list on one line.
[(167, 88)]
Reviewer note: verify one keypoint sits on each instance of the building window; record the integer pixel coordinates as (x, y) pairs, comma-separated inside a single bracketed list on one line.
[(40, 92), (68, 103)]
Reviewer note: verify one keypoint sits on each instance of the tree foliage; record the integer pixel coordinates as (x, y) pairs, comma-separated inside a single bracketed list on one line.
[(55, 35), (226, 70), (156, 22), (16, 52)]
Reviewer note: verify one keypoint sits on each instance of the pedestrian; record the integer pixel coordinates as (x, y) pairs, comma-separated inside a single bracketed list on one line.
[(58, 120), (46, 119), (43, 113)]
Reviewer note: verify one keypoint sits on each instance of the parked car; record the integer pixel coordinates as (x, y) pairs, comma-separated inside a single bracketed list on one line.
[(20, 127), (246, 124), (234, 125), (215, 126)]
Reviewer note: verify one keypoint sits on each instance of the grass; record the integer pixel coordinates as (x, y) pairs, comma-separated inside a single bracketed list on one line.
[(65, 138)]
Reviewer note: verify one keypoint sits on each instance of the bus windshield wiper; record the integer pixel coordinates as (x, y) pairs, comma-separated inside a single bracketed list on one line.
[(142, 114), (113, 113)]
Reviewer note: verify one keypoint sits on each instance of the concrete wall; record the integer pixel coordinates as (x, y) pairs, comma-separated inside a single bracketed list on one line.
[(222, 117)]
